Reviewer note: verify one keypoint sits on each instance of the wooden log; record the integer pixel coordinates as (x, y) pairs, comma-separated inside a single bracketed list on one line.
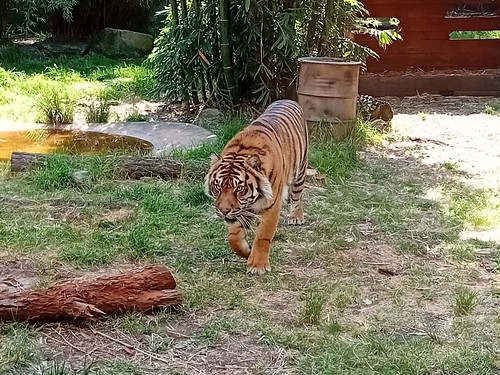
[(137, 290), (134, 167)]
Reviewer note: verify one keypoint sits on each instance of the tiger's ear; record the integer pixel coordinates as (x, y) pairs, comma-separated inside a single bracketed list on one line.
[(254, 162), (214, 158)]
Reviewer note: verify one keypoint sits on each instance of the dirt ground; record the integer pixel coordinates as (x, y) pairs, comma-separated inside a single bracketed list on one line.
[(451, 131), (436, 130)]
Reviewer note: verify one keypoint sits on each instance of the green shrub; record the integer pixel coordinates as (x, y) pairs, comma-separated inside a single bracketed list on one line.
[(98, 112), (55, 105)]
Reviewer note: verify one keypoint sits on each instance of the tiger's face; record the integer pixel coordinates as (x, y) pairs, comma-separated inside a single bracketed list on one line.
[(239, 188)]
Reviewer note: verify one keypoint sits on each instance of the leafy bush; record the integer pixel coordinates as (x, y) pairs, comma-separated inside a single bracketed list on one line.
[(135, 116), (98, 112), (253, 46), (56, 106)]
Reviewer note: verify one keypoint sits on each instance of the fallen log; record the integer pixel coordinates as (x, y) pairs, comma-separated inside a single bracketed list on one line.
[(134, 167), (137, 290)]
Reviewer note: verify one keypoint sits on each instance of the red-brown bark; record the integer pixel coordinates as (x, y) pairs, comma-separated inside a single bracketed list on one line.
[(137, 290)]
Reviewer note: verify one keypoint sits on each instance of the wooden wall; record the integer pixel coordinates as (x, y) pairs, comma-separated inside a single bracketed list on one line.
[(425, 29)]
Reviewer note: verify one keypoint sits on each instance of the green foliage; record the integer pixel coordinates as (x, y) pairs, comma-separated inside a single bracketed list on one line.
[(465, 300), (135, 116), (486, 34), (98, 112), (314, 301), (32, 16), (266, 38), (56, 171), (493, 107), (27, 79), (33, 11), (18, 346), (56, 106)]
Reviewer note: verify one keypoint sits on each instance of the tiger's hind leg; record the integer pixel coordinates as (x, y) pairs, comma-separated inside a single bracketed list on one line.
[(237, 241), (296, 215)]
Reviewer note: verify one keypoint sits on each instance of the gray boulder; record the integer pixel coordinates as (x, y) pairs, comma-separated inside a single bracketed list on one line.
[(121, 43)]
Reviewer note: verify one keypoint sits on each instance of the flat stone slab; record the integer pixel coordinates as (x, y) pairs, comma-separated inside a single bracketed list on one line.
[(164, 136)]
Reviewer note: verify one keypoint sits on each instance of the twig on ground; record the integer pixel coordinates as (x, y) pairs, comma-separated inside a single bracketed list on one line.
[(127, 345)]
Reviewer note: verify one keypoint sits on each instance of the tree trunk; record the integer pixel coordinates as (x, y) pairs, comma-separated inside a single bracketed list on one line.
[(137, 290), (226, 50), (133, 167)]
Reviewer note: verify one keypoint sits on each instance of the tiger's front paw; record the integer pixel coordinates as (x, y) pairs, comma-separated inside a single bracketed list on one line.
[(258, 265), (295, 220)]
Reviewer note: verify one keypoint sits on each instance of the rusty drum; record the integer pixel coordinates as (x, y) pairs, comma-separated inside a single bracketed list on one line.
[(328, 89)]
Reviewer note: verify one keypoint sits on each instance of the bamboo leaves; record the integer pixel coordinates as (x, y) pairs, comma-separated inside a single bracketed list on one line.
[(247, 50)]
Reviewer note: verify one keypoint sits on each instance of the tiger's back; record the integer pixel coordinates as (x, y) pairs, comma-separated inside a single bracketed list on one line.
[(257, 168), (284, 126)]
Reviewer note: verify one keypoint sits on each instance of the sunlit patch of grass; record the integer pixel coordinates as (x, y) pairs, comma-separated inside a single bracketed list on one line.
[(134, 323), (23, 78), (493, 107), (450, 166), (136, 116), (473, 207)]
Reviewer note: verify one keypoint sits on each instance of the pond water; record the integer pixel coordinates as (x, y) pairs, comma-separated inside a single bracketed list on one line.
[(69, 142)]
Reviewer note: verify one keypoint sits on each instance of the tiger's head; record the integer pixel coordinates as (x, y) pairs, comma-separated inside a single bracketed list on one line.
[(239, 187)]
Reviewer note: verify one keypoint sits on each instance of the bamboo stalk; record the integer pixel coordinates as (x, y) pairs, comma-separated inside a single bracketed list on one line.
[(175, 12), (226, 50), (327, 26), (184, 9)]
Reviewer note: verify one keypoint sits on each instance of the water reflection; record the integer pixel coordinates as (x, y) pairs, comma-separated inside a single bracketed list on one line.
[(69, 142)]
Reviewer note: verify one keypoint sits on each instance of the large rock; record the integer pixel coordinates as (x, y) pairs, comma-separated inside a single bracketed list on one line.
[(121, 43), (53, 48)]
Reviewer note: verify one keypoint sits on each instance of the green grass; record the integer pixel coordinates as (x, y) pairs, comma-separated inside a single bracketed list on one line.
[(490, 34), (314, 301), (465, 300), (476, 208), (325, 309), (493, 107), (23, 78), (18, 346), (98, 112)]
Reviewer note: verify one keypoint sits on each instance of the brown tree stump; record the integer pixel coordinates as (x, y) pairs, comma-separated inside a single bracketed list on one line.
[(134, 167), (137, 290)]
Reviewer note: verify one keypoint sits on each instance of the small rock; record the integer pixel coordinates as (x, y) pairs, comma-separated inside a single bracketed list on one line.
[(81, 177), (209, 115)]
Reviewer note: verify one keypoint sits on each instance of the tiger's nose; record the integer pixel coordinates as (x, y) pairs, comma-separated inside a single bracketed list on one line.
[(225, 210)]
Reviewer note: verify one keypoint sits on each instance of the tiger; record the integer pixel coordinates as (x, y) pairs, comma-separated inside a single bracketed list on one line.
[(259, 168)]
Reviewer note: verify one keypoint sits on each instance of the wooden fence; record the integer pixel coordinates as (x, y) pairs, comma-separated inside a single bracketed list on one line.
[(426, 26)]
